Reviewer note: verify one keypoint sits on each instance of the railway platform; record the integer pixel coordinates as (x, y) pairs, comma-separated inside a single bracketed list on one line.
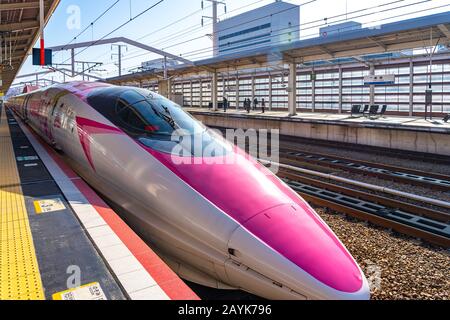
[(59, 240), (391, 132)]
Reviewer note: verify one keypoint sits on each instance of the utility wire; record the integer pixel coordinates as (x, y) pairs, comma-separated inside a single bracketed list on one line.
[(119, 27), (373, 21), (326, 23), (177, 34), (93, 22), (388, 18), (302, 24), (203, 50)]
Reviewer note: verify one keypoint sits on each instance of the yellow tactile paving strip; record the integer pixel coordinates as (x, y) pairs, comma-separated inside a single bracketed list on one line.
[(19, 272)]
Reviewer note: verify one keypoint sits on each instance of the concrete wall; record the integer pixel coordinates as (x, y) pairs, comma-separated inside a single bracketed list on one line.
[(419, 141)]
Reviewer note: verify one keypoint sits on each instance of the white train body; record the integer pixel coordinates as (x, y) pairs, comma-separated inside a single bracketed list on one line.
[(224, 226)]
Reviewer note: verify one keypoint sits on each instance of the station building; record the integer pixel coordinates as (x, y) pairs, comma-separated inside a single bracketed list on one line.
[(337, 85), (330, 67), (274, 24)]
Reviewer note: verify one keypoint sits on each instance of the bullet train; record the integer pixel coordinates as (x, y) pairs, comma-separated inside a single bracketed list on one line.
[(215, 215)]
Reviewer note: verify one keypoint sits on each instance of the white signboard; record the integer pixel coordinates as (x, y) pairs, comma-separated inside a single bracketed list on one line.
[(381, 79)]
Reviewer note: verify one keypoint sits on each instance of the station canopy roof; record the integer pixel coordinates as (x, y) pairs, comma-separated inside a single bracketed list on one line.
[(19, 28), (366, 42)]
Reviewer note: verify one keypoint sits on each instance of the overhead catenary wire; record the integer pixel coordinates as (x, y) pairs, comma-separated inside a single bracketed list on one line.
[(203, 50), (304, 24), (198, 53), (433, 8), (92, 23), (340, 15), (119, 27), (242, 23), (177, 34)]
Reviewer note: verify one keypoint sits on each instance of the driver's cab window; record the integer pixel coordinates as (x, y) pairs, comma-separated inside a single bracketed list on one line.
[(129, 118)]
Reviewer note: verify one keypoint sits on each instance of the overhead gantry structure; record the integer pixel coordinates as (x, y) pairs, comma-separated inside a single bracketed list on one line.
[(414, 33), (19, 31), (164, 54)]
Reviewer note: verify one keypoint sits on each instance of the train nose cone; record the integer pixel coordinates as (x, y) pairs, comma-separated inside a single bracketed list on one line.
[(290, 245), (280, 239)]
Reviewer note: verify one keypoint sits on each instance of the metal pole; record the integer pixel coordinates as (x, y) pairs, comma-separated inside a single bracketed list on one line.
[(237, 92), (165, 67), (340, 89), (120, 60), (1, 48), (41, 19), (215, 38), (10, 50), (411, 88), (169, 89), (292, 94), (431, 70), (313, 92), (192, 95), (201, 94), (270, 92), (253, 88), (372, 87), (82, 68), (73, 62), (214, 91)]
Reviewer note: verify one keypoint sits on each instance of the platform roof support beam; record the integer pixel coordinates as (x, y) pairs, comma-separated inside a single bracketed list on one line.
[(443, 28), (253, 89), (313, 93), (191, 87), (124, 40), (21, 5), (292, 90), (270, 92), (378, 43), (372, 87), (200, 93), (169, 88), (72, 54), (214, 91), (236, 88), (224, 87), (340, 90), (411, 88)]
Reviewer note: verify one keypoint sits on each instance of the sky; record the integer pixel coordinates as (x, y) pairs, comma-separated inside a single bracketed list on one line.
[(175, 25)]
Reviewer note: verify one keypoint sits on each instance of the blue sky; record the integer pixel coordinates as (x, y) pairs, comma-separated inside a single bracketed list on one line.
[(188, 13)]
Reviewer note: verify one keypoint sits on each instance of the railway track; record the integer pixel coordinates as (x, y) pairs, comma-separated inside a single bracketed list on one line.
[(395, 153), (403, 154), (378, 170), (419, 222), (291, 150)]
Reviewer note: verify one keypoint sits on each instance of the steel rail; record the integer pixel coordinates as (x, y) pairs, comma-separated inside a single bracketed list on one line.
[(366, 209)]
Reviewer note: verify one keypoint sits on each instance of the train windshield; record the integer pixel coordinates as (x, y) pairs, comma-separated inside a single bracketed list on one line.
[(143, 112), (156, 121)]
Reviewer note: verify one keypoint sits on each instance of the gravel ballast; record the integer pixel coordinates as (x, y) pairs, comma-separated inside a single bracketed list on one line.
[(398, 266)]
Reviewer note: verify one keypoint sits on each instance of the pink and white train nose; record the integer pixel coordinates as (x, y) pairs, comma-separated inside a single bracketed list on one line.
[(281, 249), (295, 256)]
